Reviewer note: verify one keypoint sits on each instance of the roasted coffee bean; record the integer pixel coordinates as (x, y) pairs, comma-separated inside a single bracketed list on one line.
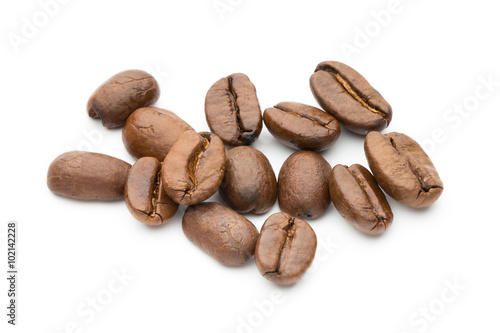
[(285, 248), (194, 167), (303, 185), (121, 95), (346, 95), (144, 194), (359, 200), (301, 126), (221, 232), (249, 183), (402, 169), (88, 176), (233, 111), (152, 132)]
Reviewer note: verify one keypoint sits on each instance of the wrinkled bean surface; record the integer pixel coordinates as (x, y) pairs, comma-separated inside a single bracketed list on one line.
[(194, 167), (301, 126), (88, 176), (357, 197), (221, 232), (345, 94), (303, 185), (144, 194), (232, 110), (152, 132), (285, 248), (121, 95), (402, 169)]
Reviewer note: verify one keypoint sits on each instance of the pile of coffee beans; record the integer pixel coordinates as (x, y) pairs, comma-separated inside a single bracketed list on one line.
[(178, 166)]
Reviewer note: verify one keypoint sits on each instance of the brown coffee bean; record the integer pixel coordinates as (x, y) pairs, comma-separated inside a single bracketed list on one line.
[(152, 132), (249, 183), (193, 169), (144, 194), (359, 200), (345, 94), (121, 95), (402, 169), (233, 111), (301, 126), (285, 248), (221, 232), (303, 185), (88, 176)]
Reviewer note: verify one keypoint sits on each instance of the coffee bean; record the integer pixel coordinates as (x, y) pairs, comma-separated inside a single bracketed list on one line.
[(303, 185), (144, 194), (402, 169), (301, 126), (152, 132), (249, 183), (232, 110), (194, 167), (285, 248), (88, 176), (346, 95), (359, 200), (221, 232), (121, 95)]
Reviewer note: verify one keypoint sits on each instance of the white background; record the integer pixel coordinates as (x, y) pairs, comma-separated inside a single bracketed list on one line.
[(426, 58)]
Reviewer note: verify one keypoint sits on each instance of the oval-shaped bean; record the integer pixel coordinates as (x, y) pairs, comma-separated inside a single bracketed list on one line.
[(249, 183), (144, 193), (193, 169), (285, 248), (221, 232), (346, 95), (357, 197), (152, 132), (301, 126), (88, 176), (233, 111), (303, 185), (121, 95), (403, 169)]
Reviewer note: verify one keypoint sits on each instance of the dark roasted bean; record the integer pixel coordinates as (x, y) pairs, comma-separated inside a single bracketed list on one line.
[(232, 110), (221, 232), (144, 194), (302, 126), (88, 176), (249, 183), (402, 169), (303, 185), (194, 167), (285, 248), (152, 132), (345, 94), (121, 95), (359, 200)]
